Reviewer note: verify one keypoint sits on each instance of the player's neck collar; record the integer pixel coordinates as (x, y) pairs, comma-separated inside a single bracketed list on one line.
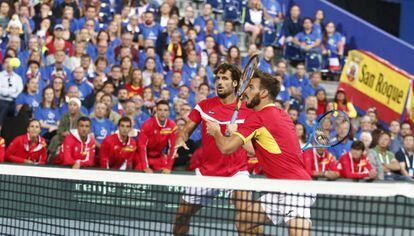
[(268, 105)]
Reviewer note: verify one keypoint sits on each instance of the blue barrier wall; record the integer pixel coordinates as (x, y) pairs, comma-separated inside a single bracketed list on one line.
[(361, 34), (407, 20)]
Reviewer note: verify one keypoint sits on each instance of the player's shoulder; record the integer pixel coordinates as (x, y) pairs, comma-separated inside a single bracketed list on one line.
[(171, 123), (148, 122), (214, 101)]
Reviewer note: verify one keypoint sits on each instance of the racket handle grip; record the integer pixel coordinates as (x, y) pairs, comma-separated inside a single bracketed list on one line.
[(234, 117)]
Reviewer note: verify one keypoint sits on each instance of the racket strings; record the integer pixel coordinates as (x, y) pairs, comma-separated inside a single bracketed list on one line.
[(332, 129)]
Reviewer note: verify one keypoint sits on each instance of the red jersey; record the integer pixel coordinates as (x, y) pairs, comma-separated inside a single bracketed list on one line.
[(320, 163), (114, 154), (132, 91), (68, 48), (275, 143), (153, 139), (74, 150), (2, 149), (213, 162), (354, 169), (20, 149)]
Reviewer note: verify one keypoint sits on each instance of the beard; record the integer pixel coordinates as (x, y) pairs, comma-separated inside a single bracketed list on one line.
[(224, 94), (254, 101)]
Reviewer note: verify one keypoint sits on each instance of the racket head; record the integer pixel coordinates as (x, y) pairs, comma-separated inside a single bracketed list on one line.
[(331, 129), (247, 74)]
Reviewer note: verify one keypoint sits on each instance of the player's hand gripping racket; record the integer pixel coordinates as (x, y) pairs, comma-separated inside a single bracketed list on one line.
[(331, 129), (244, 82)]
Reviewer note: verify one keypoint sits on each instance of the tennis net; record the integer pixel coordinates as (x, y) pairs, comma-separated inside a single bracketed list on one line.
[(59, 201)]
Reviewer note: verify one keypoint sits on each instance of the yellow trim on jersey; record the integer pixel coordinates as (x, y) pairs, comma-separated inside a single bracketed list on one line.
[(266, 141), (263, 138), (167, 131), (241, 136), (269, 105), (245, 140)]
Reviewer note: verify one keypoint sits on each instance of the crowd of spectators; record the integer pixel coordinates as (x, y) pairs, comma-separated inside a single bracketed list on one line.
[(93, 74)]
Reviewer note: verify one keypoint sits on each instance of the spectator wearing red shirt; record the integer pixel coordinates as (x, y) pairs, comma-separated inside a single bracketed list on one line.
[(78, 148), (118, 150), (320, 163), (58, 40), (157, 133), (322, 101), (28, 148), (355, 165), (2, 149)]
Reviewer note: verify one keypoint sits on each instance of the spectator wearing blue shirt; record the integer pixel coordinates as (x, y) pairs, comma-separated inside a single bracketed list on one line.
[(201, 21), (318, 26), (191, 66), (150, 52), (281, 67), (101, 127), (250, 52), (310, 101), (284, 94), (227, 38), (266, 62), (272, 11), (58, 69), (33, 71), (178, 66), (33, 46), (254, 20), (333, 44), (174, 87), (30, 95), (150, 29), (69, 14), (72, 92), (310, 120), (102, 50), (208, 30), (298, 81), (233, 56), (90, 14), (341, 148), (114, 38), (308, 40), (311, 88), (80, 81), (48, 114)]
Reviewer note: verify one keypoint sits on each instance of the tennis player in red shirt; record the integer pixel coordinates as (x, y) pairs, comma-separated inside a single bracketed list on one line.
[(78, 148), (118, 151), (212, 162), (157, 133), (2, 149), (355, 165), (29, 148), (273, 135), (319, 162)]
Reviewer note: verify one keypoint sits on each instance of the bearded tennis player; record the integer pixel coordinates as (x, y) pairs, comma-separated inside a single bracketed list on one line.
[(272, 133), (212, 161)]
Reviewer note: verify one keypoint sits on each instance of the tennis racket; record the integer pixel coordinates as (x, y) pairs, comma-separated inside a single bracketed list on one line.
[(331, 129), (244, 82)]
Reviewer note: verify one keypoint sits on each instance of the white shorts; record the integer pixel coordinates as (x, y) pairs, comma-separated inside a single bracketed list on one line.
[(282, 207), (204, 196)]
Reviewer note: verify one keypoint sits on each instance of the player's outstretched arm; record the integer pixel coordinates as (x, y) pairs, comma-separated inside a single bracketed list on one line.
[(185, 134), (226, 145)]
